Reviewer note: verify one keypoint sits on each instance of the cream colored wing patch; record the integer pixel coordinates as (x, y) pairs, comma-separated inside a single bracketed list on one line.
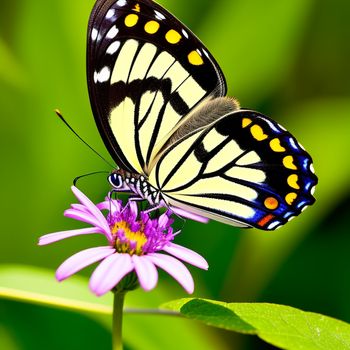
[(159, 91)]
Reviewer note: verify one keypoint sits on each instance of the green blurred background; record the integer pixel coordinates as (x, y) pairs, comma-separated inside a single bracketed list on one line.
[(287, 59)]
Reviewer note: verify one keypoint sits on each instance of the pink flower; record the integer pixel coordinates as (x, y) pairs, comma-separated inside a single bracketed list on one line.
[(134, 244)]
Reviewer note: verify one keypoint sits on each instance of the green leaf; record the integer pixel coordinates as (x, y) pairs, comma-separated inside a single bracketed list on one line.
[(279, 325), (35, 285)]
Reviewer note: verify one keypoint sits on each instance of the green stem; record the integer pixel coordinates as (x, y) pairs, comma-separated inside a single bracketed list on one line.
[(117, 320)]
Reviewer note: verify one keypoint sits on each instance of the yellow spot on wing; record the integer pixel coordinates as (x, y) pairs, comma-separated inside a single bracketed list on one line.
[(290, 198), (288, 162), (137, 8), (292, 181), (246, 122), (195, 58), (271, 203), (131, 20), (151, 27), (258, 132), (172, 36), (275, 145)]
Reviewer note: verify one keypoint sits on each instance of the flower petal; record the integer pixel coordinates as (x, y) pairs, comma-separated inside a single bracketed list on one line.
[(109, 273), (186, 255), (82, 259), (188, 215), (79, 207), (175, 268), (163, 221), (91, 207), (57, 236), (112, 205), (146, 272), (82, 216)]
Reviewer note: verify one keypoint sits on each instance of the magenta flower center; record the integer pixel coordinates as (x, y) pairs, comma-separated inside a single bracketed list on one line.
[(128, 240)]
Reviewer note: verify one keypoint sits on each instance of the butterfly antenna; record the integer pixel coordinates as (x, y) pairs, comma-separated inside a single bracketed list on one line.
[(85, 175), (59, 114)]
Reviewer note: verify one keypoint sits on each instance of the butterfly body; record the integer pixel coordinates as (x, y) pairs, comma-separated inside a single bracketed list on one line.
[(158, 98), (123, 181)]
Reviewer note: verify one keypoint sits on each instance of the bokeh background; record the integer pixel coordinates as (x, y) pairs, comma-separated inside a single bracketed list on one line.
[(287, 59)]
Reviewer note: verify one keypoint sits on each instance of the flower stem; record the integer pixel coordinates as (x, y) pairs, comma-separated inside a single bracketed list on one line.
[(117, 320)]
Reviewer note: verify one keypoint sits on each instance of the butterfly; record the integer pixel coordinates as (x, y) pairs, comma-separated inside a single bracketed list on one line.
[(158, 98)]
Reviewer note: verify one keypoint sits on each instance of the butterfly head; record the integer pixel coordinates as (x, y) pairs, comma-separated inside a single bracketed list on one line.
[(116, 179)]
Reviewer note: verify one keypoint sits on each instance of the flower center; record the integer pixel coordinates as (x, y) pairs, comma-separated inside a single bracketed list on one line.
[(129, 239)]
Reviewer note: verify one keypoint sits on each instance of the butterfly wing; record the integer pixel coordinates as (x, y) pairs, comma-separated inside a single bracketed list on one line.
[(244, 170), (146, 71)]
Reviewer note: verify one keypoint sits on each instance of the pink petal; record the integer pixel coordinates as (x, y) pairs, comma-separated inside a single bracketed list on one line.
[(103, 205), (79, 207), (57, 236), (146, 272), (82, 259), (109, 273), (186, 255), (186, 214), (163, 220), (113, 206), (90, 219), (175, 268), (91, 207), (81, 216)]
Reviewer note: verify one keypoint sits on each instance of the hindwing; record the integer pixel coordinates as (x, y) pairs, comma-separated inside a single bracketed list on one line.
[(146, 71), (243, 169)]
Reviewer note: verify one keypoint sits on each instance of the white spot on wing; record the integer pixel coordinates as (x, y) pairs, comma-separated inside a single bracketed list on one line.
[(110, 13), (159, 15), (185, 34), (94, 34), (103, 75), (271, 124), (312, 169), (121, 3), (113, 48), (313, 190), (273, 225), (282, 127), (112, 33), (206, 53), (301, 146), (293, 144), (304, 207)]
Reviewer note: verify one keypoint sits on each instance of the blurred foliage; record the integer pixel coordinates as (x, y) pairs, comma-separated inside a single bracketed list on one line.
[(289, 60)]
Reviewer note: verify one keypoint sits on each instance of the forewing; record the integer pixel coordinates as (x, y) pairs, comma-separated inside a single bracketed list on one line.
[(146, 71), (244, 169)]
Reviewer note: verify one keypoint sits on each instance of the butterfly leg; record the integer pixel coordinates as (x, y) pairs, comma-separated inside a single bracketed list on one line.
[(116, 191)]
